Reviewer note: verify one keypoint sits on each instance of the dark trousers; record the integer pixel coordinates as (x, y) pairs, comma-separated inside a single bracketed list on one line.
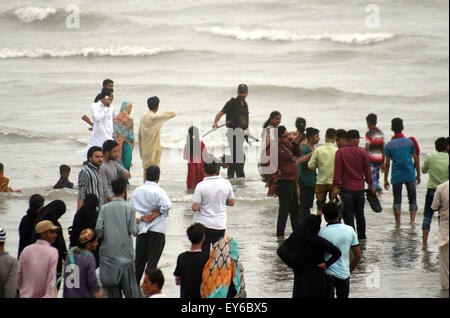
[(428, 211), (412, 195), (306, 200), (236, 144), (149, 247), (339, 288), (211, 237), (288, 200), (354, 208)]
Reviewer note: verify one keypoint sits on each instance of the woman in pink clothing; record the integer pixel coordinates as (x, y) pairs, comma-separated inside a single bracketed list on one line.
[(194, 151)]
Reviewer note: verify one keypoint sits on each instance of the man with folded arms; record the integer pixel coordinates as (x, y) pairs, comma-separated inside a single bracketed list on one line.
[(153, 205)]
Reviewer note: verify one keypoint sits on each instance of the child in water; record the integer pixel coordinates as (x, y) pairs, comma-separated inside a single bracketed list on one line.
[(63, 182)]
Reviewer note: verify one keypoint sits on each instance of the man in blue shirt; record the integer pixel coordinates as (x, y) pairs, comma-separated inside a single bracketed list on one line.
[(344, 237), (402, 151)]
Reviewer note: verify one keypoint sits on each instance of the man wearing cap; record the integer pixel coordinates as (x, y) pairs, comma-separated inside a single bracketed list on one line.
[(8, 270), (37, 264), (80, 280), (236, 110), (351, 169)]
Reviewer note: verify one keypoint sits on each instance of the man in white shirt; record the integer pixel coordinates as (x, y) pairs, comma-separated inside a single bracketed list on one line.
[(211, 197), (152, 208), (103, 116)]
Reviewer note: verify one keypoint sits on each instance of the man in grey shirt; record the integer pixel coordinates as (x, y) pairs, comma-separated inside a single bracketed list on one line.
[(110, 169), (116, 224), (8, 270)]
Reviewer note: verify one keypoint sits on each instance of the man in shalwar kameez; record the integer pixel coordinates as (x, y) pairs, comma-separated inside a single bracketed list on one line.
[(102, 115), (150, 132), (116, 224)]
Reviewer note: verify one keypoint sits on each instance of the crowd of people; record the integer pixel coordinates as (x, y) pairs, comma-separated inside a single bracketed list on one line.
[(342, 172), (101, 260)]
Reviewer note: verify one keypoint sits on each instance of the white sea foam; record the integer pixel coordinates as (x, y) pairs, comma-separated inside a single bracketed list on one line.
[(291, 36), (32, 14), (30, 134), (123, 51)]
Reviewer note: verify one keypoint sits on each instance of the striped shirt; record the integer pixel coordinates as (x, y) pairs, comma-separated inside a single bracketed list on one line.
[(89, 182), (374, 144)]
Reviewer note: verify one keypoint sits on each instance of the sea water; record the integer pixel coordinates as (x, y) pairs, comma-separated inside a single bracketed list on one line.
[(331, 62)]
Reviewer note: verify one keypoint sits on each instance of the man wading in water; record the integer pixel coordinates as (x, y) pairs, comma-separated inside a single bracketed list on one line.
[(236, 110)]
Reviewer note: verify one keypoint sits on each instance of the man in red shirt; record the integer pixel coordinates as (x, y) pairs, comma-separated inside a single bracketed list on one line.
[(286, 187), (351, 170)]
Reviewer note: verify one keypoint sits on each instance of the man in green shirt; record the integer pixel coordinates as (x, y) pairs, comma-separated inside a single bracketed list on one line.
[(323, 160), (307, 177), (436, 166)]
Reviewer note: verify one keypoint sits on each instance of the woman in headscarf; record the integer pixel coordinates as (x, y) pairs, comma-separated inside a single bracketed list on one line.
[(26, 227), (53, 212), (85, 218), (124, 134), (223, 274), (310, 279), (193, 151), (269, 137)]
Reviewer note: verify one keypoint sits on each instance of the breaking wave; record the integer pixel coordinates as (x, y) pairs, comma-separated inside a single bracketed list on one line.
[(123, 51), (291, 36), (32, 14)]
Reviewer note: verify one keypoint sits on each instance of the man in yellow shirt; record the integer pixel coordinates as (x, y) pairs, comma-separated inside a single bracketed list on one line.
[(150, 132), (323, 160)]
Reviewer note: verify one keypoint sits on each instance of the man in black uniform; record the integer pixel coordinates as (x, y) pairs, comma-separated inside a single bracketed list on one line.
[(236, 110)]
